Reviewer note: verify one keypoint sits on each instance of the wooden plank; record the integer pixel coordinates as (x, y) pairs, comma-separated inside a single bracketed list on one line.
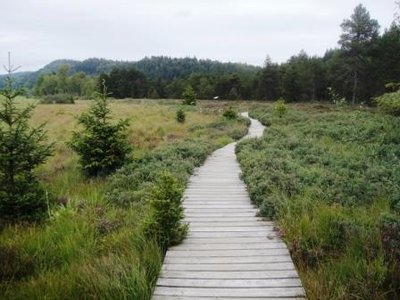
[(234, 240), (230, 252), (228, 246), (157, 297), (230, 267), (232, 283), (264, 229), (228, 234), (228, 259), (230, 274), (222, 253), (226, 292)]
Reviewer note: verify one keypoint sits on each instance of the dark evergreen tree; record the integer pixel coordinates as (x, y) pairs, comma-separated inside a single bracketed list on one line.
[(268, 84), (125, 83), (102, 145), (22, 149), (359, 34)]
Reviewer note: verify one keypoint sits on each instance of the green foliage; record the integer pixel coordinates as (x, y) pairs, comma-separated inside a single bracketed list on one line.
[(230, 114), (180, 116), (389, 103), (131, 183), (57, 99), (280, 108), (125, 82), (22, 149), (165, 220), (327, 176), (189, 96), (60, 87), (102, 145)]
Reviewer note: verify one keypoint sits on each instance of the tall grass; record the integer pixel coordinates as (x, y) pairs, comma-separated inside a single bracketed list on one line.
[(331, 179), (92, 247)]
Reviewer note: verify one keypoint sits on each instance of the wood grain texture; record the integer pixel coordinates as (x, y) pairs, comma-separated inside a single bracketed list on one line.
[(230, 252)]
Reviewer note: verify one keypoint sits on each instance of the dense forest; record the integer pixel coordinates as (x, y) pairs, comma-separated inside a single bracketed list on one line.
[(366, 65)]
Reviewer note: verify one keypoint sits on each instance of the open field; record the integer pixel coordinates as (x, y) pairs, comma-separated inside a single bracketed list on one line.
[(93, 245), (330, 177)]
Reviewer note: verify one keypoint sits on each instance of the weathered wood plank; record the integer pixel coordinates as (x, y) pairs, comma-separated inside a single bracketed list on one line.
[(156, 297), (228, 259), (230, 267), (187, 247), (230, 274), (232, 283), (229, 292), (221, 253), (230, 252)]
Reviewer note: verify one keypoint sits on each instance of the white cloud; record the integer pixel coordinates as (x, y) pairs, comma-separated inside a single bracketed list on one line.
[(38, 31)]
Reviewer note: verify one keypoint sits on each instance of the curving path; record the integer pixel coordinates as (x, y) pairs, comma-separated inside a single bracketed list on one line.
[(229, 252)]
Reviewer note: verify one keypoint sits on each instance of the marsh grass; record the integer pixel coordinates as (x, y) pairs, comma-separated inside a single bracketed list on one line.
[(329, 176), (91, 247)]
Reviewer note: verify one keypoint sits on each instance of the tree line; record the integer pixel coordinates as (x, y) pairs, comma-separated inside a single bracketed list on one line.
[(363, 67)]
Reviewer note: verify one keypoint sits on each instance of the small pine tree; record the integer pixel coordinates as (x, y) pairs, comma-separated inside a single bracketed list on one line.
[(22, 149), (102, 145), (180, 116), (189, 96), (230, 114), (165, 221), (280, 108)]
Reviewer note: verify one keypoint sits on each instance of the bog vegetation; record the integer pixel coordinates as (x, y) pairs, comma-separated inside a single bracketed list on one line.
[(330, 177), (105, 237), (96, 218)]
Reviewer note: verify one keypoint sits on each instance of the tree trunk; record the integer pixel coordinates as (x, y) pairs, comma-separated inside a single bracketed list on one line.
[(355, 85)]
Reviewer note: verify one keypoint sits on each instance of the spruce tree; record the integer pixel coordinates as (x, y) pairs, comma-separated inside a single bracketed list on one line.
[(102, 145), (22, 149)]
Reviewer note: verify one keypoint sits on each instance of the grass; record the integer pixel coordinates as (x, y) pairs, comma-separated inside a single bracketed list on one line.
[(330, 177), (93, 246)]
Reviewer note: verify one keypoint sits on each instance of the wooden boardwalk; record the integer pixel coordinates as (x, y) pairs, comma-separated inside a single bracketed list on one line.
[(229, 253)]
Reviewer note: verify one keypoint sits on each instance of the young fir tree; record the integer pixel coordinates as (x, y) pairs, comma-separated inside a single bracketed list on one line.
[(22, 149), (189, 96), (102, 145)]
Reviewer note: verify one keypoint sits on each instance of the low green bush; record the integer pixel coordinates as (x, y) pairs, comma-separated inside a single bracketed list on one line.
[(180, 116), (389, 103), (327, 175), (230, 114), (57, 99)]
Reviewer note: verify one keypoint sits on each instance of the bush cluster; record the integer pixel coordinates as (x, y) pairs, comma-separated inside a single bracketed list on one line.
[(327, 176), (230, 114), (389, 103), (57, 99)]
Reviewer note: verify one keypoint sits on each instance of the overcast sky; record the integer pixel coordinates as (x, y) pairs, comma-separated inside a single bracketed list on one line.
[(39, 31)]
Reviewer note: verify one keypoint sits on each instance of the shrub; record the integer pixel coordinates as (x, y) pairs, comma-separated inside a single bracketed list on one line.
[(389, 103), (132, 182), (57, 99), (327, 176), (280, 108), (22, 149), (102, 145), (165, 220), (230, 114), (180, 116), (189, 96)]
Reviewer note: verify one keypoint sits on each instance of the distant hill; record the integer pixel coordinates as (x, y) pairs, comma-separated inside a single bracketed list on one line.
[(153, 67)]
